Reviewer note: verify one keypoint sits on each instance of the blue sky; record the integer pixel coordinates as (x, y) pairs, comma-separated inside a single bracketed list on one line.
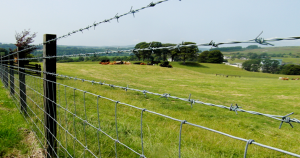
[(170, 22)]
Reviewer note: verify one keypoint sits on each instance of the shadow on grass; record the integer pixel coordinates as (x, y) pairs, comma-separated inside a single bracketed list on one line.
[(192, 64)]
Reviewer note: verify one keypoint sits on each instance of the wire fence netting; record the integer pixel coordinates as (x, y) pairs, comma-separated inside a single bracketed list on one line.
[(91, 125)]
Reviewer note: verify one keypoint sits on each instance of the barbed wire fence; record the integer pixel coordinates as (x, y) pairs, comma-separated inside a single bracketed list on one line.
[(66, 120), (78, 118)]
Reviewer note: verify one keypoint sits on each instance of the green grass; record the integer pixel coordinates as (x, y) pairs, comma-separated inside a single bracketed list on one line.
[(253, 91), (236, 61), (289, 60), (12, 126)]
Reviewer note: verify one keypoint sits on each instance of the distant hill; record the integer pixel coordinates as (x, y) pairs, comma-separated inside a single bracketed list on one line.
[(68, 50)]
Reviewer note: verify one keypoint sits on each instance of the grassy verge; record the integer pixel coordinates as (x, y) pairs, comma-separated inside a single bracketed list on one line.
[(12, 128)]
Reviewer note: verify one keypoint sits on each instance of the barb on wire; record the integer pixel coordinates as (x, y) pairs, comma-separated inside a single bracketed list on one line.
[(261, 40), (286, 119), (232, 108), (165, 95)]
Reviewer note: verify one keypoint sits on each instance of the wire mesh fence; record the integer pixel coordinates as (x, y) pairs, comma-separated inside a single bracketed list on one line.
[(86, 129)]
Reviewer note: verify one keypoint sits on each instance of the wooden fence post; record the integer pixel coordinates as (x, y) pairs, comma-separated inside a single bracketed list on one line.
[(22, 84), (50, 95), (12, 81)]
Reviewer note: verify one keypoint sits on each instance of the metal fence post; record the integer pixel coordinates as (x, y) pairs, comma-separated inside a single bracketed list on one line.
[(21, 64), (50, 94), (12, 90)]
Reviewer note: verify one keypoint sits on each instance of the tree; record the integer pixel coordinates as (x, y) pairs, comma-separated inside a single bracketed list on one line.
[(215, 56), (252, 65), (252, 55), (252, 47), (233, 57), (156, 52), (264, 56), (142, 53), (290, 69), (80, 59), (3, 51), (23, 41), (188, 52), (140, 45), (270, 66), (166, 52), (203, 57)]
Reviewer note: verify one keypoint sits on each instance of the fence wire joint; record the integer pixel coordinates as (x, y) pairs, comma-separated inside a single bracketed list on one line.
[(144, 92), (286, 119), (165, 95), (232, 108)]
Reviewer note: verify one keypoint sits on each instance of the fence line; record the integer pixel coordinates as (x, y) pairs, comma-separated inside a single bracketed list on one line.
[(132, 106), (235, 108)]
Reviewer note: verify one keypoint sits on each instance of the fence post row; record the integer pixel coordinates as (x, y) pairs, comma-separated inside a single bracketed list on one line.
[(21, 65), (50, 94), (12, 85)]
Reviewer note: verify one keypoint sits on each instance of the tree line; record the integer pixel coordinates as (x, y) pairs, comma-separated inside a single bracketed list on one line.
[(182, 54), (96, 58), (236, 48), (271, 66)]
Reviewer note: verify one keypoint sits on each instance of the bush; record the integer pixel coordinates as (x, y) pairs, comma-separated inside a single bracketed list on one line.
[(214, 56), (252, 65), (290, 69)]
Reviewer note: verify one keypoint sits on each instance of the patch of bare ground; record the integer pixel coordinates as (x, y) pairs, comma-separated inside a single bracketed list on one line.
[(285, 97), (240, 95)]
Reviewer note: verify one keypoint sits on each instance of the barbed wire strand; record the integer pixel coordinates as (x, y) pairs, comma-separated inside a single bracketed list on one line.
[(188, 123), (116, 17)]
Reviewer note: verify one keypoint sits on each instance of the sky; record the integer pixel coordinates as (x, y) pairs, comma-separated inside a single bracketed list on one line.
[(173, 21)]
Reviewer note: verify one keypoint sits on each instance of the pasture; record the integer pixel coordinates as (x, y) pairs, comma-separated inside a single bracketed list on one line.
[(253, 91)]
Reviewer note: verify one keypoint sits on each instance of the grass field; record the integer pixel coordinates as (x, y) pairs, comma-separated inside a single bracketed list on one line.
[(289, 60), (253, 91)]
